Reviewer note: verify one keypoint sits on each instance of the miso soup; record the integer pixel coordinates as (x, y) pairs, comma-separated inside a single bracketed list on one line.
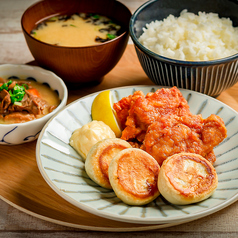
[(79, 29)]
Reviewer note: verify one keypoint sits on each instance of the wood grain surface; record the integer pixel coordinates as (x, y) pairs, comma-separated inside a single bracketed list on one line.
[(30, 208), (22, 185)]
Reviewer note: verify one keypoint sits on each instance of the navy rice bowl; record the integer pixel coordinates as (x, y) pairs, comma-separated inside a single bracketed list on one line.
[(208, 77)]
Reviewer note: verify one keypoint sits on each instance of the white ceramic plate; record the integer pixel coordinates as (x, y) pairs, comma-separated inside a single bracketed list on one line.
[(63, 168)]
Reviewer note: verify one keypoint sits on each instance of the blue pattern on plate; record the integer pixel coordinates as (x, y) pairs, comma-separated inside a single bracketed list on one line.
[(63, 168)]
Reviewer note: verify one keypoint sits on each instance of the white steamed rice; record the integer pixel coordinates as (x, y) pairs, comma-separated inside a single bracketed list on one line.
[(191, 37)]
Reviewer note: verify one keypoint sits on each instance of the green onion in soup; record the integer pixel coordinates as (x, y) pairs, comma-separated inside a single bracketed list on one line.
[(79, 29)]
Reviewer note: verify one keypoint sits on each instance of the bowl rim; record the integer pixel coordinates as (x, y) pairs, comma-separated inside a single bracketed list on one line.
[(61, 105), (125, 32), (166, 59)]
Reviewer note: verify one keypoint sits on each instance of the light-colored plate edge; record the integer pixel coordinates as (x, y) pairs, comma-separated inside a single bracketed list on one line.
[(131, 219)]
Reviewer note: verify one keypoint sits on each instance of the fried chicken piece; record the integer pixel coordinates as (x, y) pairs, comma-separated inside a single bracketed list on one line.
[(123, 106), (185, 134), (144, 110), (162, 124)]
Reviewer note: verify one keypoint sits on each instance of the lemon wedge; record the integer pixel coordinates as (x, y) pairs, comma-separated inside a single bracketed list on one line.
[(102, 110)]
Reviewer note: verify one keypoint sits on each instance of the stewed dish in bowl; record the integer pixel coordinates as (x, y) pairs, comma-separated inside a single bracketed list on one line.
[(30, 96)]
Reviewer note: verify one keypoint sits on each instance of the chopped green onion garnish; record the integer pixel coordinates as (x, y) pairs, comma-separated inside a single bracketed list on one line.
[(72, 25), (17, 93), (18, 103), (5, 85), (53, 18), (111, 36), (96, 16), (25, 86)]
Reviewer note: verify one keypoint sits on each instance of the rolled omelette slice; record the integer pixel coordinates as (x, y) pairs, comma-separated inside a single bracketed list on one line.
[(99, 158), (133, 174), (187, 178)]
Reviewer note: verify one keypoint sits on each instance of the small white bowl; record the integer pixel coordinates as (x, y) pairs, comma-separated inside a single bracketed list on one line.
[(18, 133)]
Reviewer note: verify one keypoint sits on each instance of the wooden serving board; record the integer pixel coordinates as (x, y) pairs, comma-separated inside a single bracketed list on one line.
[(22, 186)]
